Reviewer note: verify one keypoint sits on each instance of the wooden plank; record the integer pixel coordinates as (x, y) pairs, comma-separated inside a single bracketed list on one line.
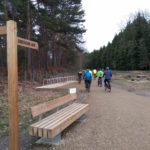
[(59, 121), (27, 43), (77, 108), (73, 108), (58, 129), (52, 117), (42, 130), (44, 107), (3, 30), (12, 85), (48, 120)]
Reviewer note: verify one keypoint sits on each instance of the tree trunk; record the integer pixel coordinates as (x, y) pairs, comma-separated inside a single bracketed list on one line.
[(53, 50), (5, 10), (28, 37)]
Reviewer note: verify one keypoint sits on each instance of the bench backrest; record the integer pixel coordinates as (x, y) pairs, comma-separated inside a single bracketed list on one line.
[(47, 106)]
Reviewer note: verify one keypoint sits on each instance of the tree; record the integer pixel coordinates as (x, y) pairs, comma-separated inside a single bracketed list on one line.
[(130, 49), (56, 25)]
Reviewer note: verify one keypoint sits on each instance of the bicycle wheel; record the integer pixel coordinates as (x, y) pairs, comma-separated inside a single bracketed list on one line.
[(109, 86), (87, 86), (98, 82), (106, 85), (79, 80)]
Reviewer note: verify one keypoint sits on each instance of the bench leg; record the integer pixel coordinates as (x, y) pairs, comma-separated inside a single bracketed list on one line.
[(83, 117), (50, 141)]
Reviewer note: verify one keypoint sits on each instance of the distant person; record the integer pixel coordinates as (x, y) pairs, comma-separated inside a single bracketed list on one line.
[(100, 75), (108, 76), (88, 79), (79, 76), (94, 73), (90, 71)]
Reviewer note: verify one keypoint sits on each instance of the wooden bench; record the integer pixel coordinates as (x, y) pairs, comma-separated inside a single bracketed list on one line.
[(55, 123)]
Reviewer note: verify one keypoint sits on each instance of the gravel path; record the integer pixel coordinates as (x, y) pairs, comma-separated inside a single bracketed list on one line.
[(119, 120)]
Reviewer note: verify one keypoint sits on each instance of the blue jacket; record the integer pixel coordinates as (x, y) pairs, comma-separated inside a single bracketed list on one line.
[(108, 74), (87, 75)]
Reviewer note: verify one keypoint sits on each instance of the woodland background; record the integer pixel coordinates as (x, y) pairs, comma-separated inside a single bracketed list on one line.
[(58, 27), (129, 49)]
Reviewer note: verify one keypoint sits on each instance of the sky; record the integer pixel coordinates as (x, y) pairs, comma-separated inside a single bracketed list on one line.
[(105, 18)]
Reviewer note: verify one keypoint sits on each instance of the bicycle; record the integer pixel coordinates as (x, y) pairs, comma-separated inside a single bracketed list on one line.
[(87, 85), (100, 81), (107, 85), (79, 79), (95, 76), (79, 76)]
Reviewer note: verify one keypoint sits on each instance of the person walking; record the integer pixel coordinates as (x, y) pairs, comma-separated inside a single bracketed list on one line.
[(88, 79), (79, 76)]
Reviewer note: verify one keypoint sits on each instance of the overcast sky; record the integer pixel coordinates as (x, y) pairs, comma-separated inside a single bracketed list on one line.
[(105, 18)]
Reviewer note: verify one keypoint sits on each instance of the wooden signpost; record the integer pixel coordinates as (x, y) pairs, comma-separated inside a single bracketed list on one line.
[(12, 64), (27, 43)]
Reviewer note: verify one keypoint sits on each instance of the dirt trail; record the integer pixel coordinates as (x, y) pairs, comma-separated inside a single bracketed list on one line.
[(119, 120)]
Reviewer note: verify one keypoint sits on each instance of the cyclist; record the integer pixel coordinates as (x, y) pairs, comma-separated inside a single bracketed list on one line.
[(108, 76), (90, 71), (100, 75), (94, 73), (79, 76), (88, 79)]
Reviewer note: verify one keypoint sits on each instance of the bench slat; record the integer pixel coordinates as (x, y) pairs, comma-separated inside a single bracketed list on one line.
[(52, 116), (54, 124), (55, 131), (47, 106), (50, 119), (77, 107), (57, 118)]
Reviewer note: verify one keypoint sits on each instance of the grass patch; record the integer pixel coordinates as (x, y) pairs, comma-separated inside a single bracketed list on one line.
[(27, 97)]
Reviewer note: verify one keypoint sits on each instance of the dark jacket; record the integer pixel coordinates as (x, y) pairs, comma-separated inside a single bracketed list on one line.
[(107, 74)]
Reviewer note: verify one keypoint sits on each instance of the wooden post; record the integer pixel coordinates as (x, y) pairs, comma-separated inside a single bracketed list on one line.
[(12, 65)]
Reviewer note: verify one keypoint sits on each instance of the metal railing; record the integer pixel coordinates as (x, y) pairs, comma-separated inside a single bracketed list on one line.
[(59, 79)]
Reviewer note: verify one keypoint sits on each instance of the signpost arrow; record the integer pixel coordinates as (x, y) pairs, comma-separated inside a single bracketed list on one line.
[(27, 43)]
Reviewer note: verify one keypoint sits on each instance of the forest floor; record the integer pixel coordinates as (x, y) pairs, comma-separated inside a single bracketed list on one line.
[(119, 120)]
